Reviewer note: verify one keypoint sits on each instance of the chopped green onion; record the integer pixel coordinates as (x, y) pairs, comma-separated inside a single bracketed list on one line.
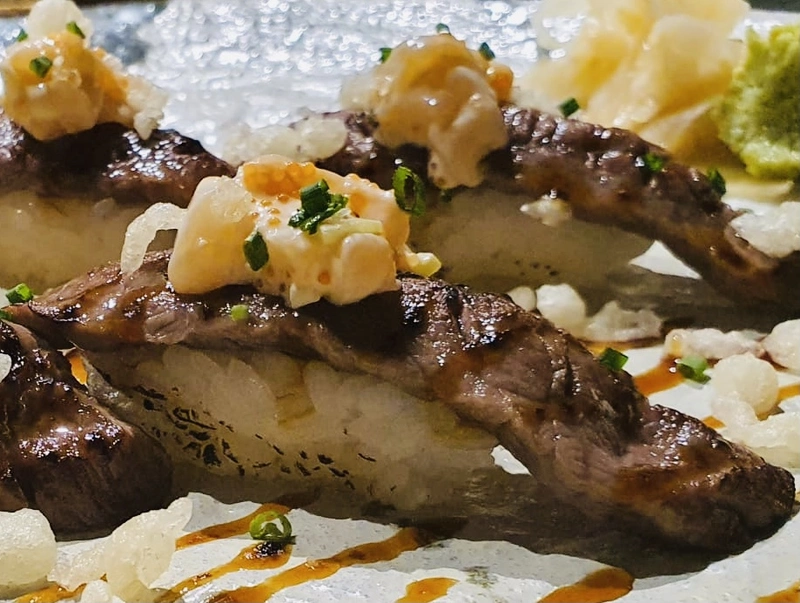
[(653, 163), (4, 315), (442, 28), (693, 368), (73, 28), (612, 359), (40, 66), (486, 52), (569, 106), (717, 181), (409, 191), (240, 312), (316, 205), (255, 251), (265, 527), (19, 294), (22, 35), (385, 53)]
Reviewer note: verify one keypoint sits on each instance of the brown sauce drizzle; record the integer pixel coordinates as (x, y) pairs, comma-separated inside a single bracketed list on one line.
[(787, 595), (661, 377), (50, 594), (250, 558), (407, 539), (427, 590), (228, 529), (607, 584)]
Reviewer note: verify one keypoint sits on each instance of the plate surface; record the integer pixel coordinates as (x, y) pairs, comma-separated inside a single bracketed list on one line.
[(270, 61)]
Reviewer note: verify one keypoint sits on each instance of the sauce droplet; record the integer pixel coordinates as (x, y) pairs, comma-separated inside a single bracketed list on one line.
[(427, 590), (787, 595), (407, 539), (661, 377), (606, 584)]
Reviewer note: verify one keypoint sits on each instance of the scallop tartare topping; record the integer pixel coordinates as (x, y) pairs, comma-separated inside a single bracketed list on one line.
[(57, 84), (436, 92), (288, 228)]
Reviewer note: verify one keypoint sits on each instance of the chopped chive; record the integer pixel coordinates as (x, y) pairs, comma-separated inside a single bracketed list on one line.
[(612, 359), (569, 106), (265, 526), (40, 66), (409, 191), (316, 205), (22, 35), (385, 53), (255, 251), (240, 312), (717, 181), (73, 28), (442, 28), (652, 162), (19, 294), (693, 367), (486, 52)]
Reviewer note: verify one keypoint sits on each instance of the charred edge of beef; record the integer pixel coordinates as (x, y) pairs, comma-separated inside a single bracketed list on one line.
[(62, 453), (107, 161)]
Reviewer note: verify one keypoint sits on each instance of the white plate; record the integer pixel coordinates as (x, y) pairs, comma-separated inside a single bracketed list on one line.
[(265, 62)]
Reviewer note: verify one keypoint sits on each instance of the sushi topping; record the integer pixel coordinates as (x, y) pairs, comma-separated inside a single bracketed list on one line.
[(19, 294), (272, 527), (317, 204), (87, 85), (255, 251), (409, 191), (436, 92)]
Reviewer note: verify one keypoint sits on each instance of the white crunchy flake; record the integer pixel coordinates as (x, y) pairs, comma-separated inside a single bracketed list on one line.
[(783, 344), (710, 343), (27, 548), (775, 232), (749, 378), (613, 323), (524, 297), (563, 306), (550, 212)]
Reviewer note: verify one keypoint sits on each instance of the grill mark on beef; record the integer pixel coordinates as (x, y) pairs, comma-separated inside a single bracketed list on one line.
[(62, 453), (582, 430), (108, 160), (598, 172)]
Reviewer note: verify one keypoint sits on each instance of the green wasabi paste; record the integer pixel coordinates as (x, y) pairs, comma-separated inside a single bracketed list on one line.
[(759, 116)]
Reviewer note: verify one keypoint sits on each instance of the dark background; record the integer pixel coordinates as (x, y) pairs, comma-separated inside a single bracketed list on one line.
[(793, 5)]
